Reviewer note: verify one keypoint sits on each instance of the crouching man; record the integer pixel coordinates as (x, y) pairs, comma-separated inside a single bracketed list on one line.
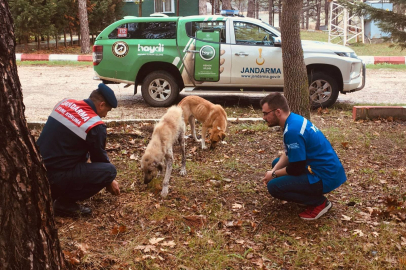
[(74, 132), (309, 167)]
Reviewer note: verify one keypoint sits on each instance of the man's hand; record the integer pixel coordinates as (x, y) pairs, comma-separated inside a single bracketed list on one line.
[(113, 188), (267, 177)]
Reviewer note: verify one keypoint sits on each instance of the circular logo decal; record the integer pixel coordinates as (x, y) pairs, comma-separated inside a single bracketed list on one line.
[(120, 49), (207, 52)]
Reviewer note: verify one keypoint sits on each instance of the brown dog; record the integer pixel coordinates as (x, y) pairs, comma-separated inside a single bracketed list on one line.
[(171, 128), (210, 115)]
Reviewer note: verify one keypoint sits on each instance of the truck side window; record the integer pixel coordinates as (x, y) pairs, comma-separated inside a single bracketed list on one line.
[(193, 27), (145, 30), (251, 34)]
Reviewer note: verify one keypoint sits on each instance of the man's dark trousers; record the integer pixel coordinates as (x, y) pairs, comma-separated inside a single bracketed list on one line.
[(81, 182), (296, 189)]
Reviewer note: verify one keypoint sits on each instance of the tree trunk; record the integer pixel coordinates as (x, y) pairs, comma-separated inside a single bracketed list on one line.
[(326, 11), (257, 9), (71, 36), (38, 43), (307, 19), (226, 4), (296, 88), (202, 7), (47, 42), (64, 37), (84, 27), (270, 11), (251, 9), (28, 237), (318, 7)]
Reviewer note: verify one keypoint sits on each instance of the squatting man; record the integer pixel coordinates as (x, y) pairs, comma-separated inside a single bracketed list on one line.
[(73, 133), (309, 166)]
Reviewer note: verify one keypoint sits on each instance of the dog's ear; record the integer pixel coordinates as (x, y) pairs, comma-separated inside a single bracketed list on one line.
[(158, 165)]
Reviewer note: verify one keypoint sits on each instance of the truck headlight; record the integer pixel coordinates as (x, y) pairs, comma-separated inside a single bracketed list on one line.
[(347, 54)]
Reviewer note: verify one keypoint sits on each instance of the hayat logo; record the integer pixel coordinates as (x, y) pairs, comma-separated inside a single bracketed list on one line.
[(207, 52), (151, 49)]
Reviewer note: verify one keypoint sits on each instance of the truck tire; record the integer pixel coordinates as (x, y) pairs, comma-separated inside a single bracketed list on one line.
[(160, 89), (323, 90)]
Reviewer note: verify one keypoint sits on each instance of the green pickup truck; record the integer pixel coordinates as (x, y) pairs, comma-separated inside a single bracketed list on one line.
[(167, 54)]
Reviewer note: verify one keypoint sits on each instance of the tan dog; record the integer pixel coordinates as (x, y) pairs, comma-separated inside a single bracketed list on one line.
[(210, 115), (171, 128)]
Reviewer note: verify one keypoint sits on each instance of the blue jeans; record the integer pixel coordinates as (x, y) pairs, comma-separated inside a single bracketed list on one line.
[(81, 182), (296, 189)]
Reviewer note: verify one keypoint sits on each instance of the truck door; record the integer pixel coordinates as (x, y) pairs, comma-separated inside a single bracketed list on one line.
[(204, 62), (254, 59)]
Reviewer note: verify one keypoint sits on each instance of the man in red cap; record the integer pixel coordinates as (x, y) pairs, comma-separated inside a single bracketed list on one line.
[(73, 133)]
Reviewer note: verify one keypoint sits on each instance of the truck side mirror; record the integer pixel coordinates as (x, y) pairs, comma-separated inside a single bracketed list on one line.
[(277, 41)]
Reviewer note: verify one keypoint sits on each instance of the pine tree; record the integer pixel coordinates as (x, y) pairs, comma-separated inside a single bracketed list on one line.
[(388, 21)]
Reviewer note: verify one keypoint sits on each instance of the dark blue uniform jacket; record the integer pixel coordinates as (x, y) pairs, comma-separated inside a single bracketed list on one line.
[(61, 149)]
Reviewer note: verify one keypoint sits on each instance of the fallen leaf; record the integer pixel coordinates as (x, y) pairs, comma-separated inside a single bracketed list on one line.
[(145, 248), (375, 234), (237, 206), (133, 156), (122, 229), (195, 221), (358, 232), (346, 218), (235, 223), (154, 240), (168, 243)]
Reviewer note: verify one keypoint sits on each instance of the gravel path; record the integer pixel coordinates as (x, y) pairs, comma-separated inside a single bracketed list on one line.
[(44, 86)]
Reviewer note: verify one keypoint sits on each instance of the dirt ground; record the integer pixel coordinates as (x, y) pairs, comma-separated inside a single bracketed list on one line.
[(220, 215), (44, 86)]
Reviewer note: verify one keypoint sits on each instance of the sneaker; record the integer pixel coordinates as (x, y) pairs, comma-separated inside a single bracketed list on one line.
[(67, 208), (314, 212)]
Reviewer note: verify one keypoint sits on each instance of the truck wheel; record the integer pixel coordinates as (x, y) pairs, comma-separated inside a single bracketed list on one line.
[(323, 90), (160, 89)]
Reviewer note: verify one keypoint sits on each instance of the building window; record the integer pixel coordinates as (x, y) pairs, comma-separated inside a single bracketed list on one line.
[(164, 6)]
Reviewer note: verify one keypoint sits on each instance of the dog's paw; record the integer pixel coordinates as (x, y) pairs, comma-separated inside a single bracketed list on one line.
[(182, 172), (204, 147), (164, 192)]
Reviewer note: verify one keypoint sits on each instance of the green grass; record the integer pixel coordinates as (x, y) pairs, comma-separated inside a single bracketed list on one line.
[(53, 63), (386, 66)]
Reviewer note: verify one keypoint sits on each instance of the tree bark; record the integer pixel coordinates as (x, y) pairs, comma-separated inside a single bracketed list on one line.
[(296, 88), (226, 4), (251, 9), (326, 11), (202, 7), (270, 11), (84, 27), (318, 7), (28, 237)]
